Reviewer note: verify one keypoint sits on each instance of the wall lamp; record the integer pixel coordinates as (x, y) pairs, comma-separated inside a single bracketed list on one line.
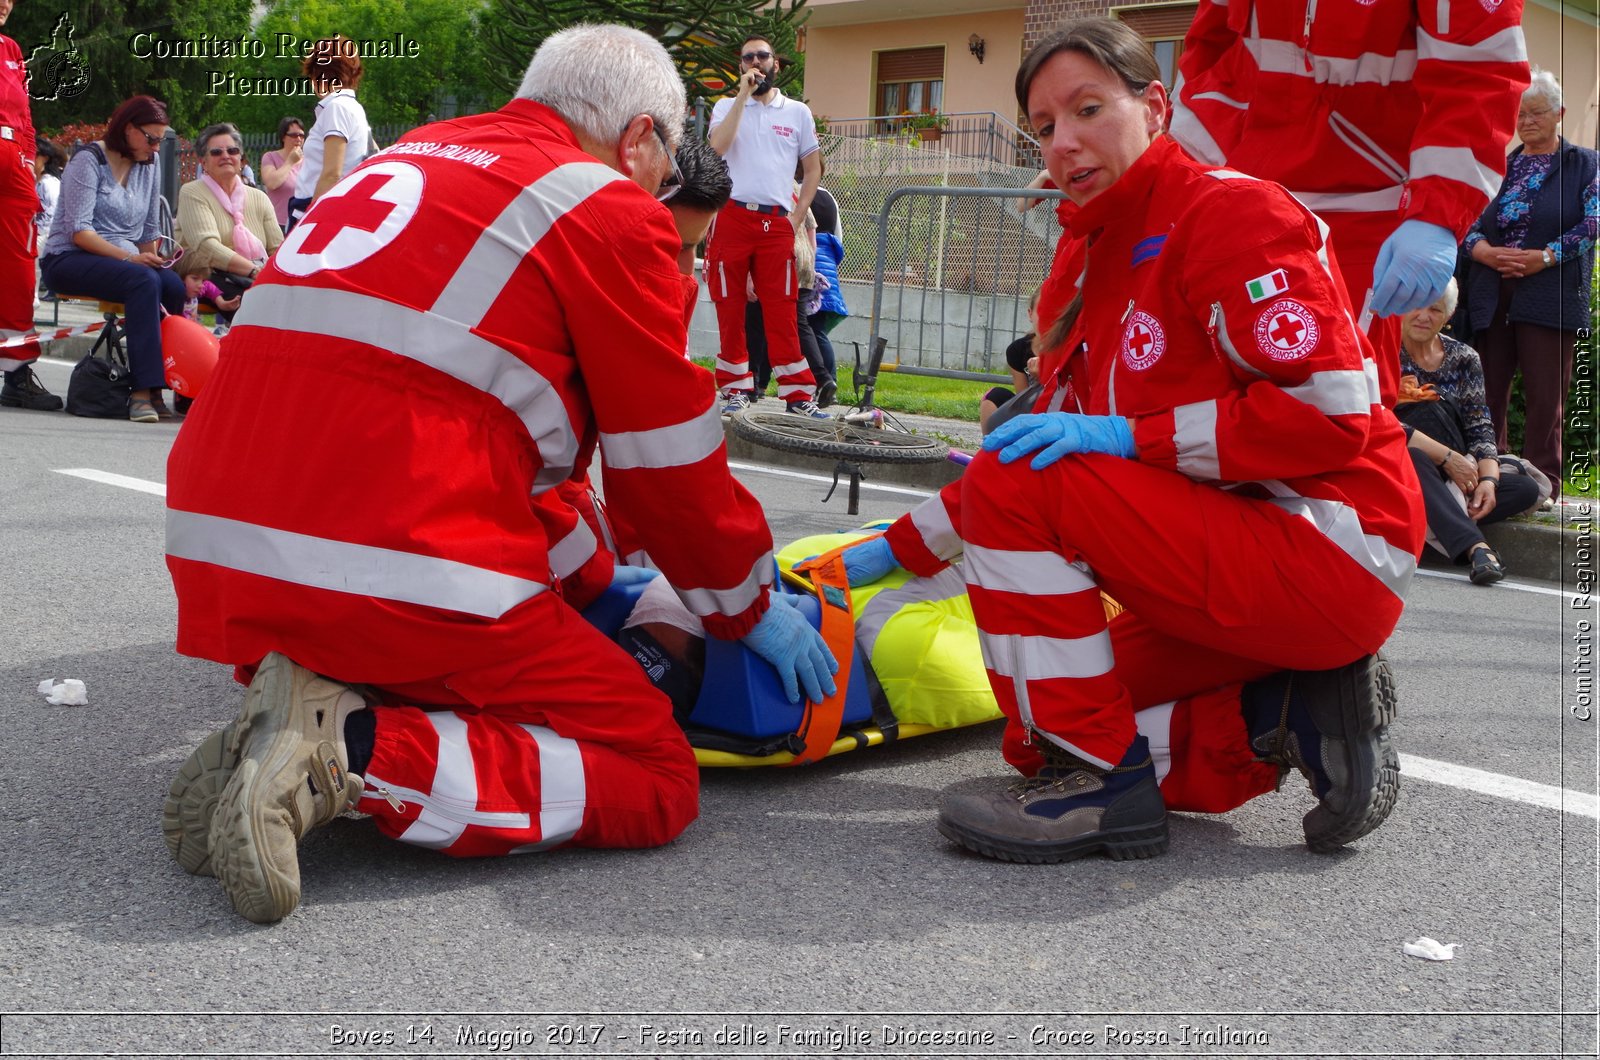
[(975, 46)]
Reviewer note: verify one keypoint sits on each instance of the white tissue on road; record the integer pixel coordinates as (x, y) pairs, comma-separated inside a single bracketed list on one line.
[(1430, 950), (64, 692)]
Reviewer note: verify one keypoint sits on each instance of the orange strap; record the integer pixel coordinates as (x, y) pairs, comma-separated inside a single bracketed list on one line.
[(819, 726)]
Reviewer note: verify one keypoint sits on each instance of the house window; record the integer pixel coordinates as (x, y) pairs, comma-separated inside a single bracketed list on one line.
[(910, 79), (1164, 26)]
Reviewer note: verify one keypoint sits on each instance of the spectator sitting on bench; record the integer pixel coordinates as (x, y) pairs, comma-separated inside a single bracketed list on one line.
[(224, 224), (104, 241)]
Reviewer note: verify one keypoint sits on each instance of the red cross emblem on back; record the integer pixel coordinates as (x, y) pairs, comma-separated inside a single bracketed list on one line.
[(356, 209), (1287, 330), (358, 217)]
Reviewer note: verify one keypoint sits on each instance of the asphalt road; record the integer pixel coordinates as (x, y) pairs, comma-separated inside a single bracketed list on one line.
[(806, 913)]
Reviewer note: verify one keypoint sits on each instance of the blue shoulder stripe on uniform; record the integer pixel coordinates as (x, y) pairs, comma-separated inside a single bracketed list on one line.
[(1146, 249)]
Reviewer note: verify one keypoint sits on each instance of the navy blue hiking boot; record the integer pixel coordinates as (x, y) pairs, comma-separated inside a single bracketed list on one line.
[(1331, 725), (1070, 809)]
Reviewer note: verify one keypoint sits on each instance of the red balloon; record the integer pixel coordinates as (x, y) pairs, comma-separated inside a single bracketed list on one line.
[(189, 354)]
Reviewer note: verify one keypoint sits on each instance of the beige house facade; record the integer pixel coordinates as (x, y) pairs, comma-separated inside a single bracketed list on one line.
[(868, 58)]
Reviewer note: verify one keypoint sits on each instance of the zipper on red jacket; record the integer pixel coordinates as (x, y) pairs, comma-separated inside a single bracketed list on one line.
[(1211, 331), (1305, 34), (1111, 376)]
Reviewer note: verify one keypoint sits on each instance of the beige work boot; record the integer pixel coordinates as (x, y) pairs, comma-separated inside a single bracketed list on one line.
[(292, 775)]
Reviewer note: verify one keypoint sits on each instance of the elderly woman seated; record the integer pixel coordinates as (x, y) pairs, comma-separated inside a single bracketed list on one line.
[(1465, 483), (225, 224)]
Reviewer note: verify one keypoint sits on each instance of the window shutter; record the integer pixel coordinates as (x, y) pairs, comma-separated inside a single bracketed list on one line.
[(1158, 21), (911, 64)]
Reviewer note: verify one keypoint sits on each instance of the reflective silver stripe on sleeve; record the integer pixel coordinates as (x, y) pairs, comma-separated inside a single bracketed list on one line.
[(573, 550), (678, 445), (1454, 163), (441, 343), (484, 273), (1035, 658), (1369, 370), (1335, 393), (345, 567), (932, 520), (1195, 137), (1384, 200), (733, 600), (1225, 100), (1031, 573), (1287, 57), (1194, 437), (1507, 46), (1339, 523), (563, 789)]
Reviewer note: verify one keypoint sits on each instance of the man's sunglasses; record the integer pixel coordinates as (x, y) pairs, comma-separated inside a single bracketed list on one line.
[(218, 152), (672, 183), (751, 57)]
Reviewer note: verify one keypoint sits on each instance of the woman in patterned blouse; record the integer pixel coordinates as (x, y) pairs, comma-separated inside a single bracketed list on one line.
[(1532, 256), (1451, 440)]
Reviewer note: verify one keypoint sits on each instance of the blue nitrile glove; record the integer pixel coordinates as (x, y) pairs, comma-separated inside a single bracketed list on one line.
[(1057, 434), (785, 639), (626, 575), (867, 561), (1414, 264)]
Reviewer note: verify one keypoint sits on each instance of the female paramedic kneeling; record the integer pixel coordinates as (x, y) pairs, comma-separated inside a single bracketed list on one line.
[(1235, 486)]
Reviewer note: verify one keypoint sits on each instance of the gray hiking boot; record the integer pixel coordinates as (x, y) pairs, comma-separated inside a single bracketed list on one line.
[(292, 775), (1070, 809)]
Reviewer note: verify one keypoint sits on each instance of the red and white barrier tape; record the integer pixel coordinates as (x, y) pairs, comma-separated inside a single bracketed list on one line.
[(51, 336)]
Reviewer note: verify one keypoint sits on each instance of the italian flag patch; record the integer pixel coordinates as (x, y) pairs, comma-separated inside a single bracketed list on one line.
[(1264, 287)]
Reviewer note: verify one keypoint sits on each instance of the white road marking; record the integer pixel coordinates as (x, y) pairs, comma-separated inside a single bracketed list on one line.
[(1501, 787), (1465, 777), (112, 479), (1519, 586), (858, 816), (825, 478)]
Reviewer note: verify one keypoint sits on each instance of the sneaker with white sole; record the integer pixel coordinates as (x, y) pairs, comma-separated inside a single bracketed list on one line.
[(808, 409), (292, 776), (737, 401)]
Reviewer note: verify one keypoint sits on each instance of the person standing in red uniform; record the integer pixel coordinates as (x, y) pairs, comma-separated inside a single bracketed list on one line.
[(1235, 484), (763, 134), (19, 202), (459, 300), (1387, 118)]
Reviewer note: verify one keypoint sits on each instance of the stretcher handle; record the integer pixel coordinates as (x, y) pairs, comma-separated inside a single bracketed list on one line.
[(819, 725)]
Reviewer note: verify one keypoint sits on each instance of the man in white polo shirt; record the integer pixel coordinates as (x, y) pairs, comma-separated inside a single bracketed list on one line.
[(763, 134)]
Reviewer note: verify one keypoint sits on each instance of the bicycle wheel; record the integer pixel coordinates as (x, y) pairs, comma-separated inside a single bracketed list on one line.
[(796, 434)]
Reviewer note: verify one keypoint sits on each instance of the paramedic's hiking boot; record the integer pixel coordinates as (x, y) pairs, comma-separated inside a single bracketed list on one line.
[(737, 401), (22, 390), (1068, 810), (292, 776), (186, 815), (1331, 725)]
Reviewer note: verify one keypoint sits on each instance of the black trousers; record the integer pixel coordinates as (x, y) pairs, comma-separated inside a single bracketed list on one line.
[(1454, 528)]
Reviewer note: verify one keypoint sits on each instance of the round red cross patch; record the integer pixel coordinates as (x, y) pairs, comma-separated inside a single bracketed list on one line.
[(1143, 341), (1287, 331)]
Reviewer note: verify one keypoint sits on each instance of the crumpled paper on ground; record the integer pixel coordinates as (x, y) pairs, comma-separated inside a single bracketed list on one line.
[(1430, 950), (64, 692)]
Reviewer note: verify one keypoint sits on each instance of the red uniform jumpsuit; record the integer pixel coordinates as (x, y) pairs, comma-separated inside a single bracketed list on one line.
[(754, 239), (1371, 112), (1271, 519), (473, 308), (19, 203)]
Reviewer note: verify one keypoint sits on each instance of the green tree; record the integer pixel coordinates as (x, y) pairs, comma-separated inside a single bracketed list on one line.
[(241, 71), (100, 41), (703, 36)]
